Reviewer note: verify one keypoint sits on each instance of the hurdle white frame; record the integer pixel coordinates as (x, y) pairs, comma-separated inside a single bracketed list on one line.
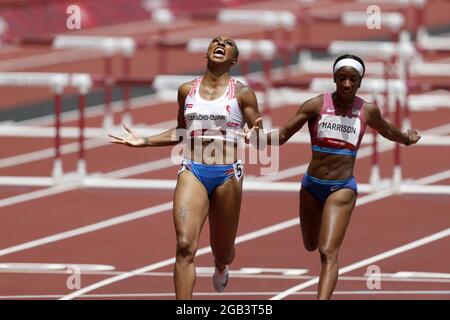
[(57, 82), (109, 46)]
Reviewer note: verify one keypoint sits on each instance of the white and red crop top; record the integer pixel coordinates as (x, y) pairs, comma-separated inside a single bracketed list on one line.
[(338, 130), (213, 119)]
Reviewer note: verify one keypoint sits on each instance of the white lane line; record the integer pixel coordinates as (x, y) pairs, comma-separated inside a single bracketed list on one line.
[(250, 236), (230, 294), (434, 178), (69, 186), (378, 292), (42, 193), (383, 277), (21, 267), (89, 228), (246, 237), (412, 245), (421, 275), (170, 261), (141, 168)]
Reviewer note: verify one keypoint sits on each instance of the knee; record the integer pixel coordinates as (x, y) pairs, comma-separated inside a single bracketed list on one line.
[(328, 256), (186, 249)]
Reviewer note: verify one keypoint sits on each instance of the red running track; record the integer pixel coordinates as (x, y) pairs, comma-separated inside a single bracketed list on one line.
[(376, 227), (52, 228)]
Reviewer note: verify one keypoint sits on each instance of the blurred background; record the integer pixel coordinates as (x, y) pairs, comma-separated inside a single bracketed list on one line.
[(162, 29), (73, 71)]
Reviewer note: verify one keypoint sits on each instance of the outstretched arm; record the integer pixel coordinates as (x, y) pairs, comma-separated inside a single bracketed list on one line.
[(166, 138), (308, 110), (387, 129)]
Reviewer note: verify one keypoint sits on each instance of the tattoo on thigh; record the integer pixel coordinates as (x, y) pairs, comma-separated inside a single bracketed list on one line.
[(183, 213)]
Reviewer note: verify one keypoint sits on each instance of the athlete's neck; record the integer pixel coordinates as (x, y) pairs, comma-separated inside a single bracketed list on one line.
[(342, 102), (216, 78)]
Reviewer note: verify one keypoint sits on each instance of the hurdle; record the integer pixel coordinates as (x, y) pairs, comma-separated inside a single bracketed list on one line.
[(163, 17), (56, 82), (393, 21), (109, 46), (270, 20), (169, 84)]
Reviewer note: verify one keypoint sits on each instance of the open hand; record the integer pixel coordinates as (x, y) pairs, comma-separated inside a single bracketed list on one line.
[(131, 139)]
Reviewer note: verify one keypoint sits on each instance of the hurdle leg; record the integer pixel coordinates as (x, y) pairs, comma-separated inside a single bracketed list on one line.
[(108, 119), (57, 171), (162, 50), (267, 66), (397, 172), (81, 165), (126, 70)]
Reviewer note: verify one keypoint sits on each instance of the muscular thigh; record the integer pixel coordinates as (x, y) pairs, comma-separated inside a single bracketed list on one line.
[(310, 218), (190, 206), (225, 204), (335, 218)]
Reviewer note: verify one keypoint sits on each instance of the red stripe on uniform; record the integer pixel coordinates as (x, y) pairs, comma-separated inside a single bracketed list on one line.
[(194, 87)]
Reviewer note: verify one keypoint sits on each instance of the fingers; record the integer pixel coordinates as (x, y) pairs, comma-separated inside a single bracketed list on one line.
[(127, 128), (116, 139), (130, 130), (417, 135), (119, 142)]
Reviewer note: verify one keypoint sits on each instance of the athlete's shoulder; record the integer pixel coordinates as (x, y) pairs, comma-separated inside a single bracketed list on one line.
[(317, 100), (186, 87), (314, 104), (245, 95), (368, 106), (371, 111), (242, 88)]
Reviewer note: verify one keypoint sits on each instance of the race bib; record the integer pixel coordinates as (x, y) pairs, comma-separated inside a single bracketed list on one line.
[(340, 128)]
